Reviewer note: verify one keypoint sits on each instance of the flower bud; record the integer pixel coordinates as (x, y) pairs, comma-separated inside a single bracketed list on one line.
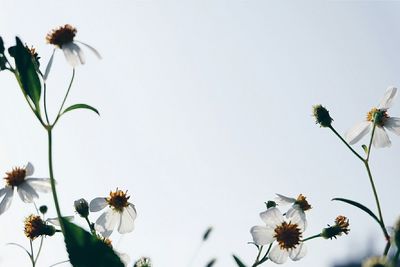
[(340, 227), (322, 116), (82, 207), (270, 204), (143, 262), (43, 209)]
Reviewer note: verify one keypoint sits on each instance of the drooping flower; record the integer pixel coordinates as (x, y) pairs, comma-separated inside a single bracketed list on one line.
[(120, 212), (381, 119), (27, 187), (286, 232), (34, 227), (63, 38)]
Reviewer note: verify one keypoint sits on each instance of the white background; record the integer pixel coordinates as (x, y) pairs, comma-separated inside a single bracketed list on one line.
[(205, 114)]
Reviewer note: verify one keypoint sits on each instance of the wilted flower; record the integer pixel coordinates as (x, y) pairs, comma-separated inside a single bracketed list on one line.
[(381, 119), (27, 187), (35, 227), (121, 213), (63, 38), (376, 262), (143, 262), (341, 227), (322, 116), (287, 233)]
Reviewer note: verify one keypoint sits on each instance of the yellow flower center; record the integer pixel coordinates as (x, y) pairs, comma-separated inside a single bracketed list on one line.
[(303, 203), (377, 116), (15, 177), (118, 200), (287, 235), (61, 36)]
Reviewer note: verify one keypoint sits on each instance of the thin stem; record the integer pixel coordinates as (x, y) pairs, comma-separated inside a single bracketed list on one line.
[(258, 256), (387, 247), (344, 141), (52, 180), (65, 97), (92, 230), (39, 250), (370, 142), (312, 237), (45, 102), (396, 257), (265, 257), (31, 254)]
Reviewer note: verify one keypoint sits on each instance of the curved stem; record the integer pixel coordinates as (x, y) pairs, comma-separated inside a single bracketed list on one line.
[(344, 141), (65, 97), (52, 180)]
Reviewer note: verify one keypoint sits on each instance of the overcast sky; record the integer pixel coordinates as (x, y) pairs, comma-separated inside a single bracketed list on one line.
[(205, 114)]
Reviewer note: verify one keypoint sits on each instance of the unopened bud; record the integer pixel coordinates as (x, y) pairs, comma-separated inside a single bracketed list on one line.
[(322, 116), (82, 207), (43, 209)]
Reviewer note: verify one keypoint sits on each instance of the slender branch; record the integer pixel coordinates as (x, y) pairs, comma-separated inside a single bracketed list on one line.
[(65, 97), (265, 257), (312, 237), (31, 254), (92, 230), (344, 141), (39, 250), (258, 256), (45, 102)]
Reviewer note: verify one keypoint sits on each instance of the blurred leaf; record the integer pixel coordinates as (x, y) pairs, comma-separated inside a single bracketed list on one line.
[(2, 63), (238, 261), (360, 206), (1, 46), (211, 263), (207, 233), (80, 106), (27, 72), (86, 250), (365, 148)]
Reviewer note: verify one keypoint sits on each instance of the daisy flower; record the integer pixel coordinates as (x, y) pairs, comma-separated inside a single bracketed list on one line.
[(120, 212), (286, 232), (63, 38), (381, 119), (300, 203), (27, 187)]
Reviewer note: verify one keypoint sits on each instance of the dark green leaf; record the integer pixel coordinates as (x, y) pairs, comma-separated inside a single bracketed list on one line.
[(86, 250), (207, 233), (27, 72), (211, 263), (1, 46), (3, 62), (79, 106), (360, 206), (238, 261)]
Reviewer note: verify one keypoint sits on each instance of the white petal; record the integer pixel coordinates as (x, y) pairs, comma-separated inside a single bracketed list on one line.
[(72, 59), (78, 51), (297, 216), (272, 217), (357, 132), (106, 222), (6, 202), (29, 169), (126, 223), (262, 235), (299, 252), (283, 200), (55, 221), (278, 255), (97, 204), (26, 193), (91, 49), (387, 99), (3, 191), (48, 67), (381, 139), (393, 125), (42, 185)]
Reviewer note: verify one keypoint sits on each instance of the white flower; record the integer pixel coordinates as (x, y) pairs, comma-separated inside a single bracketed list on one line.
[(27, 188), (287, 233), (120, 212), (63, 38), (300, 204), (382, 120)]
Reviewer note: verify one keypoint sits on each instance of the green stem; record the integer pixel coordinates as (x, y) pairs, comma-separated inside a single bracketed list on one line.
[(92, 230), (45, 102), (396, 257), (39, 250), (312, 237), (344, 141), (65, 97), (265, 257), (31, 254), (52, 180), (258, 256)]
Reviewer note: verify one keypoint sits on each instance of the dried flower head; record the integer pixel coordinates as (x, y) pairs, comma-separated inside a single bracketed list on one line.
[(35, 227), (341, 227)]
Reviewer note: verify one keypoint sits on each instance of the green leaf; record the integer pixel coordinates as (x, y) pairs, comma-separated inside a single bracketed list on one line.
[(79, 106), (238, 261), (211, 263), (1, 46), (207, 233), (86, 250), (360, 206), (27, 72)]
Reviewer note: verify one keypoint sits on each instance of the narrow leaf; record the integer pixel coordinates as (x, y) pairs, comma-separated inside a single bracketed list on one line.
[(211, 263), (80, 106), (86, 250), (1, 46), (238, 261), (207, 233), (27, 72), (360, 206)]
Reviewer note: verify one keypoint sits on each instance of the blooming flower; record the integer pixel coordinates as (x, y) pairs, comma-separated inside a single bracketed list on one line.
[(287, 233), (381, 119), (63, 38), (121, 212), (27, 188)]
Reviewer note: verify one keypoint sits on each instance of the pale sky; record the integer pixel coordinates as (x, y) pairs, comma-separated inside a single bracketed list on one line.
[(205, 114)]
